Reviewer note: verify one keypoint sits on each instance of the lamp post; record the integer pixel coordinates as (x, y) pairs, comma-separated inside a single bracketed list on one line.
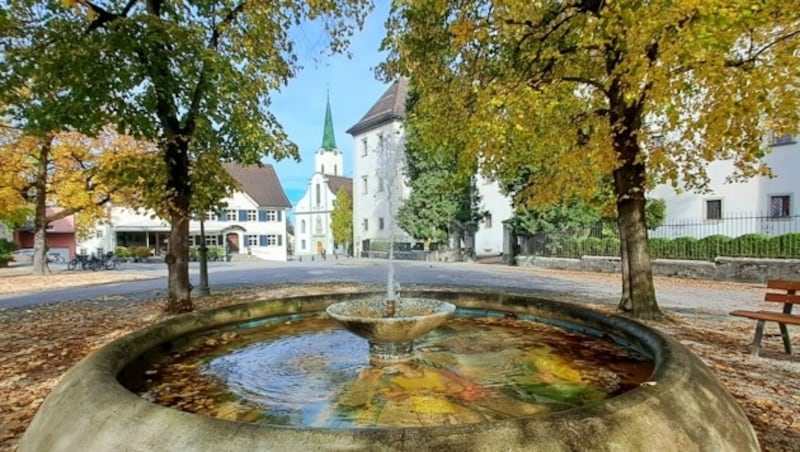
[(203, 289)]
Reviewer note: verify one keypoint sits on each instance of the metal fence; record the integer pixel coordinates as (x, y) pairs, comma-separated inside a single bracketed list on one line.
[(753, 236), (733, 225)]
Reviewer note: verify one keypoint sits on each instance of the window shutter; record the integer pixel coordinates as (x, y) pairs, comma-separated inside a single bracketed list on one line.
[(280, 240), (279, 213), (242, 215), (262, 240), (262, 215), (221, 216)]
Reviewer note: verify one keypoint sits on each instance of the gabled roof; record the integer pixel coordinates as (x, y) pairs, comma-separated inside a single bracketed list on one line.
[(260, 183), (391, 106), (337, 182)]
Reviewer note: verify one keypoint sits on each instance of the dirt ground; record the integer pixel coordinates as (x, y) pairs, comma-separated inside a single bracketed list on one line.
[(37, 345)]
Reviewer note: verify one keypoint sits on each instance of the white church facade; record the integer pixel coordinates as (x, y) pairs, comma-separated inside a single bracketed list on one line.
[(313, 234)]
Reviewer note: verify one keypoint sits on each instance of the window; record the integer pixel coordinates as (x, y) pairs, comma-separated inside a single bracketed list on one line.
[(714, 209), (380, 184), (363, 147), (778, 140), (380, 223), (192, 240), (366, 224), (380, 142), (302, 244), (230, 215), (318, 194), (211, 216), (211, 240), (335, 170), (271, 215), (98, 234), (487, 221), (272, 240), (779, 206), (364, 189), (251, 240), (322, 168), (303, 229), (252, 215)]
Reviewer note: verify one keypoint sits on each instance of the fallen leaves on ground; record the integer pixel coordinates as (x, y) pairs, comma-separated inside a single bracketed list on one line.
[(37, 345), (20, 280)]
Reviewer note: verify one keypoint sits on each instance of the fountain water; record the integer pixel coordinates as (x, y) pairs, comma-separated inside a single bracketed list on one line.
[(390, 325)]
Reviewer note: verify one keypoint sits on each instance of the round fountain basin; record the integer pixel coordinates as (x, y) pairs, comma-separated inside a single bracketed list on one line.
[(682, 406), (412, 318)]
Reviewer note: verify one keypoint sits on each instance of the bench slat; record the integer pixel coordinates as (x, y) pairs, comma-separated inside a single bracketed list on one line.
[(770, 316), (782, 298), (783, 285)]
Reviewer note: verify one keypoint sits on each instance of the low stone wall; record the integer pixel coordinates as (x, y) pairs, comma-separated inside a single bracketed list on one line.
[(722, 269)]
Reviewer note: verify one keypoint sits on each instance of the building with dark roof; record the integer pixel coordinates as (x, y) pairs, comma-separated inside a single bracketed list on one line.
[(252, 224), (313, 235)]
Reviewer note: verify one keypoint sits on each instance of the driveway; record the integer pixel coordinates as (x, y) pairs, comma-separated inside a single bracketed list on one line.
[(571, 286)]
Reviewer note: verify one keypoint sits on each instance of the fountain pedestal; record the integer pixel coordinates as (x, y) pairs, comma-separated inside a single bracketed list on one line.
[(391, 332)]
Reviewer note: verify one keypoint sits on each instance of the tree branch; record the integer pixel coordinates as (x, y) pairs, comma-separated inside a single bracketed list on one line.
[(104, 16)]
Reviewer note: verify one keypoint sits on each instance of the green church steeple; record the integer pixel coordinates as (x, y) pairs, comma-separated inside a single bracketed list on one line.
[(328, 139)]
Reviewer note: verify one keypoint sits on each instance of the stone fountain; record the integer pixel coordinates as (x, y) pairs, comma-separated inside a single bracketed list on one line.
[(682, 406)]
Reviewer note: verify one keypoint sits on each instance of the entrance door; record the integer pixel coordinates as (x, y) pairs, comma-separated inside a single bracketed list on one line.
[(233, 242), (319, 247)]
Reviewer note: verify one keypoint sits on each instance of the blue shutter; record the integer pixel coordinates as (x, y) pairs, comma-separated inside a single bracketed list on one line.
[(242, 215), (221, 216), (262, 240), (280, 240), (279, 217), (262, 215)]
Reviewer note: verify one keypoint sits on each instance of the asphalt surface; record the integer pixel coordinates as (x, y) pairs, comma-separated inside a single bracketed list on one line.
[(407, 274)]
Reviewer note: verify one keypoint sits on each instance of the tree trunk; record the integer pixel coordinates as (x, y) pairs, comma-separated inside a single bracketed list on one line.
[(179, 292), (179, 188), (638, 291), (40, 266)]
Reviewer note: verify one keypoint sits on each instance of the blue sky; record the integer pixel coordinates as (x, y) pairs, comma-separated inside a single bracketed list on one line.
[(300, 106)]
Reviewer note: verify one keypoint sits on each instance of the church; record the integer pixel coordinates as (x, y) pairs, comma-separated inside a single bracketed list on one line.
[(313, 235)]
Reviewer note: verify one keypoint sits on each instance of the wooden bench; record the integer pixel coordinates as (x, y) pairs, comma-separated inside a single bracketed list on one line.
[(787, 294)]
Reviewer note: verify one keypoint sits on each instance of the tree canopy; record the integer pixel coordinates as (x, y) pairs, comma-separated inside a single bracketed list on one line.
[(192, 77), (342, 218), (625, 93)]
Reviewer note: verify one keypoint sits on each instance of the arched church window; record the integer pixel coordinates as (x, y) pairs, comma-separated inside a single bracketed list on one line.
[(302, 226), (335, 170), (318, 194)]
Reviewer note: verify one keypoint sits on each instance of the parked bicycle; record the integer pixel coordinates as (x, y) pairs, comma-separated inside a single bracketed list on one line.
[(107, 261)]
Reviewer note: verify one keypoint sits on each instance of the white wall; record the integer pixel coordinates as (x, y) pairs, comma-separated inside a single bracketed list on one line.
[(316, 216), (370, 203), (489, 236), (747, 199)]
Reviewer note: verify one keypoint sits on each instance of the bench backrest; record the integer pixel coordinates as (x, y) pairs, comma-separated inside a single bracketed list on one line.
[(788, 291)]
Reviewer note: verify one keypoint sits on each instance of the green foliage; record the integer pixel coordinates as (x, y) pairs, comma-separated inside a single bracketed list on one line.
[(123, 252), (575, 217), (751, 245), (140, 252), (789, 244), (712, 246), (655, 212), (6, 248), (342, 218)]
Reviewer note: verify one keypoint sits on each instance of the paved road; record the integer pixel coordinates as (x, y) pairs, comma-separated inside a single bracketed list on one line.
[(569, 287)]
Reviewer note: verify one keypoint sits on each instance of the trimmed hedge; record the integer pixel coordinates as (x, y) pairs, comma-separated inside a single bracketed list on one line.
[(785, 246)]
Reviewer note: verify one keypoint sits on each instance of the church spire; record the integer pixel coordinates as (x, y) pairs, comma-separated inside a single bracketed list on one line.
[(328, 139)]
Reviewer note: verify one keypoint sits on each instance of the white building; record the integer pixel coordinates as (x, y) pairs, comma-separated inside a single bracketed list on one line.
[(254, 221), (759, 205), (489, 235), (378, 160), (312, 214)]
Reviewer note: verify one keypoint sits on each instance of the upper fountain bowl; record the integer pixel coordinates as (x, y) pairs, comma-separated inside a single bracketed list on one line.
[(371, 320)]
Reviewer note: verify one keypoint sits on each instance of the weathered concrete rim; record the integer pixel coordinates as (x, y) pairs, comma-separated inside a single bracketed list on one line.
[(683, 407)]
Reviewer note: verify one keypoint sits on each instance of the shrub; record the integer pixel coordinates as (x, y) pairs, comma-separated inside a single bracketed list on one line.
[(659, 247), (750, 245), (592, 246), (140, 252), (684, 248), (123, 252), (610, 246), (789, 245), (712, 246)]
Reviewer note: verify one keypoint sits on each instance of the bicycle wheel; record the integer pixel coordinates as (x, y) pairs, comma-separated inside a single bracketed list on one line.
[(110, 264), (73, 264)]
